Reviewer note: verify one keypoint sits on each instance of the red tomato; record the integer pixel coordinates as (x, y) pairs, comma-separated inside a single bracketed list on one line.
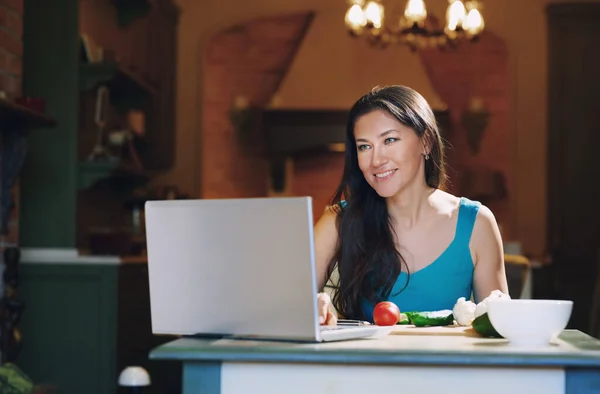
[(386, 313)]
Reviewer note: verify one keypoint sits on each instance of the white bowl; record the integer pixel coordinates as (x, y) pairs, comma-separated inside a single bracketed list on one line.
[(529, 322)]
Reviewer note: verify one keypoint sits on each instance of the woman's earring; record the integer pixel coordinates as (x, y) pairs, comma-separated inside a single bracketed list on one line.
[(427, 156)]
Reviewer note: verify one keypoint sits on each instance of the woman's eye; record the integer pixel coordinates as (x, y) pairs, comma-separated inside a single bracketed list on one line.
[(363, 147), (390, 140)]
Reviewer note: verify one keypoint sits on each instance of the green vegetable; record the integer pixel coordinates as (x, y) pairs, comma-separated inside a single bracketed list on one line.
[(437, 318), (483, 327)]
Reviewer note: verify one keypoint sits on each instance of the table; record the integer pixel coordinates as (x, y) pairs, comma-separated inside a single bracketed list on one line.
[(397, 363)]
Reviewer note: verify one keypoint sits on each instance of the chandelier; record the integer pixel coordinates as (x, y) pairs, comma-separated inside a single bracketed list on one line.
[(366, 18)]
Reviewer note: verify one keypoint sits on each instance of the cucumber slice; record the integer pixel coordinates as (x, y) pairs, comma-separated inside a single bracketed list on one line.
[(403, 319), (437, 318), (483, 327)]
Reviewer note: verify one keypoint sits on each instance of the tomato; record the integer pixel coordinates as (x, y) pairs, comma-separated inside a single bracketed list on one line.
[(386, 313)]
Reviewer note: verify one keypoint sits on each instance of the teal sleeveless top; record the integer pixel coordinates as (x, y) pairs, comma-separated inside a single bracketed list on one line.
[(449, 277)]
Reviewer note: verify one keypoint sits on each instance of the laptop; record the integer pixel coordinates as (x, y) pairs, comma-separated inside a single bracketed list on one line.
[(236, 268)]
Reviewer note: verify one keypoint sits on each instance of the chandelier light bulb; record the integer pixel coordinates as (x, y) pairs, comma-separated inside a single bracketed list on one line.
[(355, 18), (455, 15), (415, 11), (474, 23), (374, 13)]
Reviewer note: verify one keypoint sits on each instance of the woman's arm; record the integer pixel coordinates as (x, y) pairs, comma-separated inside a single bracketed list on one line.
[(326, 236), (488, 255)]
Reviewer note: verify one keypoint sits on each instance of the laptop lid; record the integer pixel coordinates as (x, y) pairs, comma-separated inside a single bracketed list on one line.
[(232, 266)]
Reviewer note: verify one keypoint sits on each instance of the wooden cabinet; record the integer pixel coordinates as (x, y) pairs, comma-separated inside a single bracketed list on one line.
[(84, 323)]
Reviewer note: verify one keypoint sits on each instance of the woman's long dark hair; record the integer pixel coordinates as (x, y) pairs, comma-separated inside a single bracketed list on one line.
[(366, 256)]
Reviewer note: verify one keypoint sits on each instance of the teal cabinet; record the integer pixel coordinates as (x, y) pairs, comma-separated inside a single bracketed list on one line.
[(83, 323)]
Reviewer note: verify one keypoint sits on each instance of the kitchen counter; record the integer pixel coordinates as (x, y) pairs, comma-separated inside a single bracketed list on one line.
[(85, 319)]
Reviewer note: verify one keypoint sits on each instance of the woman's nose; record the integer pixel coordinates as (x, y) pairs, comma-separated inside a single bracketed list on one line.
[(379, 157)]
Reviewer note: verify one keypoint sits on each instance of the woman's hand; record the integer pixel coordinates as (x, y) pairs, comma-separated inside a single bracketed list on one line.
[(326, 316)]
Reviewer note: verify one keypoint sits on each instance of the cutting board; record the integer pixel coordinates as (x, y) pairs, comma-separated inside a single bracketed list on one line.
[(409, 329)]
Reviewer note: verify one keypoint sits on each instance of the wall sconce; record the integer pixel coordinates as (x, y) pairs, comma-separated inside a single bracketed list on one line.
[(243, 118), (475, 120)]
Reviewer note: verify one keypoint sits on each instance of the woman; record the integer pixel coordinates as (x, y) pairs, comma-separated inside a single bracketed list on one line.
[(392, 233)]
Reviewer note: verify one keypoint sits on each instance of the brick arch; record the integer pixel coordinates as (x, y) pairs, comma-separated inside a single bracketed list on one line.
[(480, 69), (249, 59)]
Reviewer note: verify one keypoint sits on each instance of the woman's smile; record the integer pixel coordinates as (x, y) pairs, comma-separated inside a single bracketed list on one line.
[(383, 176)]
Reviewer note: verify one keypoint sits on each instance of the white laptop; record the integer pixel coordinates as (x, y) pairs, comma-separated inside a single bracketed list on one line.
[(236, 268)]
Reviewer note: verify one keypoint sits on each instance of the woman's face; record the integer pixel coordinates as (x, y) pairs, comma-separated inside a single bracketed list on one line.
[(390, 154)]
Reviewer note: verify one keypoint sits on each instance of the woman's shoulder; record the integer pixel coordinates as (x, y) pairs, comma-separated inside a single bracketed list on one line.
[(485, 220)]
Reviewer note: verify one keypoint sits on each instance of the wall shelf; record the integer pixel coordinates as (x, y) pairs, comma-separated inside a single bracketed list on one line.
[(15, 116)]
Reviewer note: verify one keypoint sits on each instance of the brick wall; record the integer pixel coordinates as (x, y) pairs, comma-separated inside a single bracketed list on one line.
[(246, 60), (11, 46)]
